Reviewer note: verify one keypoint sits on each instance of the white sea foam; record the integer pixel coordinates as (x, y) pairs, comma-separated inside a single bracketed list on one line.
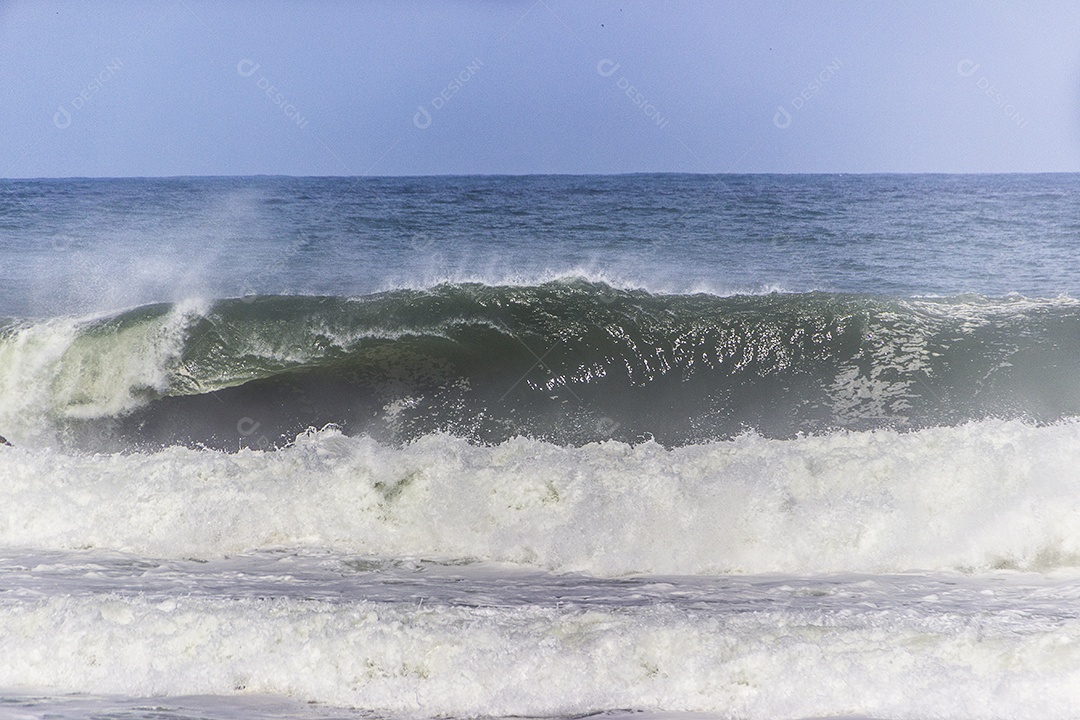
[(251, 633), (776, 660), (55, 369), (674, 284), (986, 494)]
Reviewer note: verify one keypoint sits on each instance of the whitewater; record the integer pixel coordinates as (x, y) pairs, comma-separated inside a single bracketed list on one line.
[(647, 446)]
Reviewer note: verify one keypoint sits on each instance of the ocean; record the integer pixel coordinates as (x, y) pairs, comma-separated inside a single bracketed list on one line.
[(636, 446)]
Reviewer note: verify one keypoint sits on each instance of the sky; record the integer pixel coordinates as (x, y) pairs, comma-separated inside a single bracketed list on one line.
[(232, 87)]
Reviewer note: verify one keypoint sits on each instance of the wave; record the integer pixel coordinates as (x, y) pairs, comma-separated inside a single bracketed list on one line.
[(992, 494), (570, 362), (909, 659)]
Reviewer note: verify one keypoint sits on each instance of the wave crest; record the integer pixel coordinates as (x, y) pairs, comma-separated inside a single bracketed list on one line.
[(570, 362)]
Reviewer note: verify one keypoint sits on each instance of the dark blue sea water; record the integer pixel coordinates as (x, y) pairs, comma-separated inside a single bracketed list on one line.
[(90, 245), (751, 446)]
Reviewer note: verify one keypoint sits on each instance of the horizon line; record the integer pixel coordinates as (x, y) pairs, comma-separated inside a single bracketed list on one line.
[(528, 175)]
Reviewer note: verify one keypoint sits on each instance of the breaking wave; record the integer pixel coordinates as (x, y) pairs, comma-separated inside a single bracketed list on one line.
[(570, 362), (992, 494)]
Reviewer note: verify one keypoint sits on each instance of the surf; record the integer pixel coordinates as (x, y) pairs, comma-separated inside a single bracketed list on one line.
[(986, 495), (569, 362)]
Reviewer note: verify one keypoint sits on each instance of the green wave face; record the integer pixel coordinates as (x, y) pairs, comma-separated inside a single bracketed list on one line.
[(572, 362)]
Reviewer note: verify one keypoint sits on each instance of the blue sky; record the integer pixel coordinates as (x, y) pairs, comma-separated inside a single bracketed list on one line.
[(186, 87)]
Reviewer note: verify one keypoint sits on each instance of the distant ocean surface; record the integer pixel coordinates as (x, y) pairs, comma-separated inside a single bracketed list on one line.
[(746, 446)]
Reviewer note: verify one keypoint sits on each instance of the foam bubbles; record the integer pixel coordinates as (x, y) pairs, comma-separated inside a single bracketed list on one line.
[(983, 495), (442, 660), (88, 367)]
